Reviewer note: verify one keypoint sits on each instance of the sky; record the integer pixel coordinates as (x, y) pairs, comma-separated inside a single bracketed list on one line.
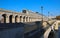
[(51, 6)]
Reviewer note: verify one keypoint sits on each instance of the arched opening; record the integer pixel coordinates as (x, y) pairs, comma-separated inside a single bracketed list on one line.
[(51, 35), (4, 18), (20, 18), (24, 19), (16, 19), (10, 18)]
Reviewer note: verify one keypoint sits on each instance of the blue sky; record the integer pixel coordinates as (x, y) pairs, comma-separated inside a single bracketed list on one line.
[(53, 6)]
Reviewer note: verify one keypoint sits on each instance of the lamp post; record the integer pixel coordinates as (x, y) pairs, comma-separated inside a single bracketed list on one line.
[(48, 16), (51, 15), (42, 13)]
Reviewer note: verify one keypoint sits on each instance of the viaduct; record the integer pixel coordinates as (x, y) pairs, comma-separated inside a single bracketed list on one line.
[(16, 17)]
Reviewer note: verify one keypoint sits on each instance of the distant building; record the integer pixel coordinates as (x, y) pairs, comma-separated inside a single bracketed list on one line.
[(58, 17)]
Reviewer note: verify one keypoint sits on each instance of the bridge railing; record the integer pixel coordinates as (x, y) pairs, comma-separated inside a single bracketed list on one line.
[(48, 30), (48, 25)]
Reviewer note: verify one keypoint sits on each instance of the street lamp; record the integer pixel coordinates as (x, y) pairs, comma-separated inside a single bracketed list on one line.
[(48, 15), (42, 12)]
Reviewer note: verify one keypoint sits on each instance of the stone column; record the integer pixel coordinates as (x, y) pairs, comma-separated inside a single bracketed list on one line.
[(2, 20), (13, 19), (28, 19), (18, 19), (7, 19)]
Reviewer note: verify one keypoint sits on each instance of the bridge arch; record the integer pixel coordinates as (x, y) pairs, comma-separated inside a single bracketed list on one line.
[(20, 18), (51, 34), (24, 18), (10, 18), (4, 17), (16, 18)]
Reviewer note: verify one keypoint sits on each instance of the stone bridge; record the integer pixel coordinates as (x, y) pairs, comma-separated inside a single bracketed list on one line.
[(8, 16), (53, 27)]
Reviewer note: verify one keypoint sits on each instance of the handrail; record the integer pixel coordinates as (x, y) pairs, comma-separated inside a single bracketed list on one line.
[(48, 31)]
